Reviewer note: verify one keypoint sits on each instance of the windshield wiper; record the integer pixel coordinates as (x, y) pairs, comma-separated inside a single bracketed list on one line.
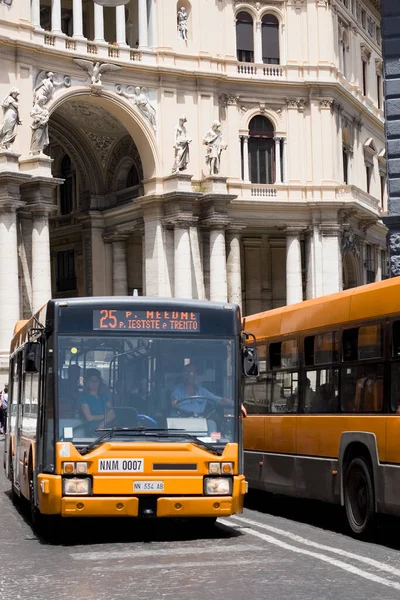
[(140, 431), (109, 434)]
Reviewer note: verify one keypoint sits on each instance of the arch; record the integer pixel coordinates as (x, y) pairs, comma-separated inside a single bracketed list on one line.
[(123, 157), (351, 271), (270, 39), (128, 117), (261, 146), (269, 114), (245, 36)]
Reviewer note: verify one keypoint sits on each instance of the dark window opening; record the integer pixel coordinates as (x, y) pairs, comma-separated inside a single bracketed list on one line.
[(383, 188), (364, 77), (345, 166), (261, 150), (270, 39), (66, 276), (368, 174), (379, 90), (244, 37), (67, 188), (132, 178)]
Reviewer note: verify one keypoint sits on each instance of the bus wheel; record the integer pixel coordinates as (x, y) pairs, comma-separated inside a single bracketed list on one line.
[(359, 499)]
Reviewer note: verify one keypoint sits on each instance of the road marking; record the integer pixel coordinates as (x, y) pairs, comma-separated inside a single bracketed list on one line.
[(186, 565), (211, 548), (344, 553), (323, 557)]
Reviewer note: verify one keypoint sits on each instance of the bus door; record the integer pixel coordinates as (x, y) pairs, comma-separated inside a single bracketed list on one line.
[(17, 433)]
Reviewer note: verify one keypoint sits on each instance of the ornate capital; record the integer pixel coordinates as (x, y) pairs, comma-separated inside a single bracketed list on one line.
[(299, 103), (326, 104)]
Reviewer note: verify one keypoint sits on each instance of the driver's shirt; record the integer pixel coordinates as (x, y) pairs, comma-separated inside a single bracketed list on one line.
[(195, 405)]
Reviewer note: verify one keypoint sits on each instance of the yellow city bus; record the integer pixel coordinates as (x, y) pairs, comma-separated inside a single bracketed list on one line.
[(323, 415), (127, 407)]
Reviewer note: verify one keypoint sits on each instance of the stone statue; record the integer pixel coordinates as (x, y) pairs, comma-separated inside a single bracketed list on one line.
[(214, 142), (182, 18), (181, 146), (46, 86), (40, 127), (8, 131), (96, 70), (139, 98)]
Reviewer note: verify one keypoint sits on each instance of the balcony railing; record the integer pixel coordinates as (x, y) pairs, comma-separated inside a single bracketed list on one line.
[(253, 70)]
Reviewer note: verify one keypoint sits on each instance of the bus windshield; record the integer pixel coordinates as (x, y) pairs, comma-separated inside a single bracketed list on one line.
[(177, 384)]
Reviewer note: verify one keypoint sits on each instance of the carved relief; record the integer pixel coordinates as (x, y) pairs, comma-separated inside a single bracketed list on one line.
[(182, 24), (139, 97), (299, 103), (95, 70), (102, 145), (11, 120), (350, 242), (395, 265), (325, 103)]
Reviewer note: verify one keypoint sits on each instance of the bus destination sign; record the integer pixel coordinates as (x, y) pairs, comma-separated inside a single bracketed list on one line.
[(146, 320)]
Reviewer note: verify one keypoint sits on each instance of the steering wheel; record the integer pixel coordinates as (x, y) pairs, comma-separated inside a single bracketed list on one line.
[(147, 418), (209, 407)]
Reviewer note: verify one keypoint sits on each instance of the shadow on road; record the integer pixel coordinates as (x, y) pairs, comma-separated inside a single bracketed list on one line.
[(325, 516), (81, 531)]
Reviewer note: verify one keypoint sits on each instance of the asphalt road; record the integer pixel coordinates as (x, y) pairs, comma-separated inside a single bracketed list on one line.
[(278, 549)]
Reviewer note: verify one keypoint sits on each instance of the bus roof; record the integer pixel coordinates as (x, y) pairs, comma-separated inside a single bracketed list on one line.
[(365, 302), (45, 313)]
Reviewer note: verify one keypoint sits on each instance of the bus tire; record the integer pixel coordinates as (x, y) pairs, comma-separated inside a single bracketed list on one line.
[(359, 497)]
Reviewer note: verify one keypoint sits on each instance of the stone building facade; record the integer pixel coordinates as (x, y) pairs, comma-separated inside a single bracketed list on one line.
[(94, 198)]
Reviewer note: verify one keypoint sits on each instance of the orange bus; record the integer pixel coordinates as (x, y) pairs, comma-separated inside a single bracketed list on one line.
[(323, 415), (127, 407)]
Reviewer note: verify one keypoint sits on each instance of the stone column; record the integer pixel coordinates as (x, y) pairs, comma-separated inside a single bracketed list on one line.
[(154, 251), (9, 284), (153, 24), (258, 43), (35, 13), (98, 23), (331, 272), (120, 25), (378, 264), (278, 174), (120, 266), (234, 267), (143, 33), (56, 16), (218, 274), (294, 286), (39, 196), (284, 161), (182, 261), (41, 272), (246, 171), (77, 18)]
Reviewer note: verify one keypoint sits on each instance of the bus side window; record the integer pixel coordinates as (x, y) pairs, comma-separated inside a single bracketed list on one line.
[(322, 392), (362, 388), (395, 369), (255, 390)]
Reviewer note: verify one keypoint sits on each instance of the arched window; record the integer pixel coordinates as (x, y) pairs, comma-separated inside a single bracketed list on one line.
[(132, 177), (67, 189), (343, 50), (261, 150), (270, 40), (244, 37)]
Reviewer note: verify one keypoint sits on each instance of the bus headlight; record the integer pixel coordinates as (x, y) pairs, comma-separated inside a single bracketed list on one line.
[(214, 468), (81, 468), (76, 487), (217, 486)]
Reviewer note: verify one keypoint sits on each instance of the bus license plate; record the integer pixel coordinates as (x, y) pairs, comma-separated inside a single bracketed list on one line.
[(148, 486)]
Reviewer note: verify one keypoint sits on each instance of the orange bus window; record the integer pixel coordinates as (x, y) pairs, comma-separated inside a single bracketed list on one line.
[(396, 340), (322, 348), (284, 355)]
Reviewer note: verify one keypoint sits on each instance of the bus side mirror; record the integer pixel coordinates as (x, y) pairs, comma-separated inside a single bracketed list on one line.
[(32, 357), (250, 362)]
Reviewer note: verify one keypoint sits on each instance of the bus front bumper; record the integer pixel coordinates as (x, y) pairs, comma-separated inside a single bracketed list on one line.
[(119, 506)]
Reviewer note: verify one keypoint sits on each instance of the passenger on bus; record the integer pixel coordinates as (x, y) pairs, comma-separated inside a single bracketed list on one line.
[(94, 402)]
